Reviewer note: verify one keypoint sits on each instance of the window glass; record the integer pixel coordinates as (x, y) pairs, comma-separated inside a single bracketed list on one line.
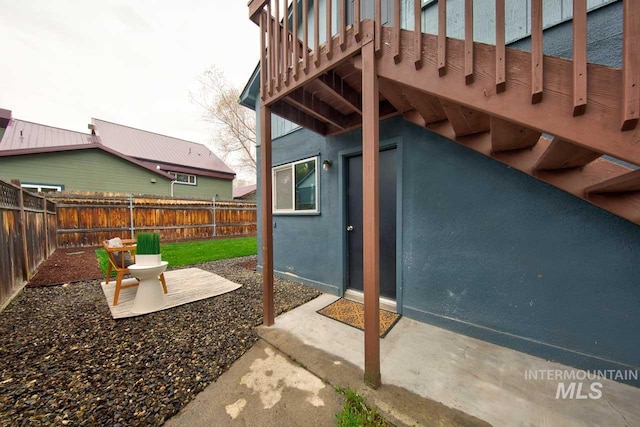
[(306, 185), (284, 199), (184, 178), (295, 187)]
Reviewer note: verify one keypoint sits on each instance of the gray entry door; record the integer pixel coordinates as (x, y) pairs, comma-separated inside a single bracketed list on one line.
[(388, 191)]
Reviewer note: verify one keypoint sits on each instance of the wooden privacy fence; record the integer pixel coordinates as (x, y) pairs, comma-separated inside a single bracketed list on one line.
[(87, 219), (27, 236)]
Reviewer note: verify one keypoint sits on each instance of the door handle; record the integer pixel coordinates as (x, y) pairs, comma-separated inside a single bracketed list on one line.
[(349, 227)]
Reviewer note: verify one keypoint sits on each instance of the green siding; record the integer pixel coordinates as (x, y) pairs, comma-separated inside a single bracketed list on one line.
[(207, 187), (1, 133), (96, 170)]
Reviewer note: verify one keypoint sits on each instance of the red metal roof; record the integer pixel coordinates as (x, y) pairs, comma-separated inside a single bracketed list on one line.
[(22, 135), (151, 146), (244, 190)]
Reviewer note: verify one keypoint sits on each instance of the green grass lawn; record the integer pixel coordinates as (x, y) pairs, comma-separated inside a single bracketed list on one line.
[(187, 253)]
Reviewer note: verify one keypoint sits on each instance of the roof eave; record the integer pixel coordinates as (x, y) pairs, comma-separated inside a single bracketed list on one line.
[(42, 150), (250, 93)]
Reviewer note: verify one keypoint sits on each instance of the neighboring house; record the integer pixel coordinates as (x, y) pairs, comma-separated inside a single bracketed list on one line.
[(246, 192), (112, 158), (520, 233)]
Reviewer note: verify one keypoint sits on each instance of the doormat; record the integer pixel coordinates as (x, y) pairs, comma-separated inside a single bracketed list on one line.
[(352, 313)]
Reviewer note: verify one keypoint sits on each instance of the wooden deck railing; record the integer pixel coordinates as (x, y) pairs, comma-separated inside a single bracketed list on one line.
[(288, 58)]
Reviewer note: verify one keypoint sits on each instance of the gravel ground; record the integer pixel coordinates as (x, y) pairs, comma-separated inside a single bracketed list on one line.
[(65, 361)]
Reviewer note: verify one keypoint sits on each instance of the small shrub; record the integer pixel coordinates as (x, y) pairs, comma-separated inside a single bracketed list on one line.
[(148, 244)]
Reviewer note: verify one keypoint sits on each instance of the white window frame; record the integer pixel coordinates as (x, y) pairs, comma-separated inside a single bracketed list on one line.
[(292, 167), (39, 187), (189, 175)]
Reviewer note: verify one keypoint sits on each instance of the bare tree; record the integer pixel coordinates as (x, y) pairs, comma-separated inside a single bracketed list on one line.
[(234, 125)]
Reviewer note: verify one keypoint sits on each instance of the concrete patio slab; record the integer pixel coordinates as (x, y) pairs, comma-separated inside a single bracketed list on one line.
[(262, 388), (479, 378)]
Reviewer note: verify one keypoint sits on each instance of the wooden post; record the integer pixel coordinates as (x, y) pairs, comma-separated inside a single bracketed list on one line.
[(371, 213), (45, 226), (468, 42), (23, 230), (267, 215)]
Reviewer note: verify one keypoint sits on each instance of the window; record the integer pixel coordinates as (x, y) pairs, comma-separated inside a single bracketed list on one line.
[(41, 188), (184, 178), (295, 187)]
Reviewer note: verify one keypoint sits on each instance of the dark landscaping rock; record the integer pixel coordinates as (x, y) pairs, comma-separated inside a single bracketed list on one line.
[(65, 361)]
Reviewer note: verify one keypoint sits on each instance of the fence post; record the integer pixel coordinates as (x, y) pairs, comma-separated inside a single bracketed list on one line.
[(131, 216), (214, 216), (23, 230), (45, 223)]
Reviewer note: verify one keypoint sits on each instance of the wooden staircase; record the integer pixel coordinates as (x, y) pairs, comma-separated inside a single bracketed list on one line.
[(548, 117)]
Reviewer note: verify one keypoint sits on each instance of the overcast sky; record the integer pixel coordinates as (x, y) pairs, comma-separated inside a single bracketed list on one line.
[(131, 62)]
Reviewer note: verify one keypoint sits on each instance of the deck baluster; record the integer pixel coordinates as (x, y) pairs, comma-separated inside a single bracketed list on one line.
[(378, 23), (305, 35), (630, 65), (417, 34), (270, 58), (263, 54), (396, 32), (356, 20), (343, 26), (286, 55), (329, 38), (296, 42), (500, 47), (442, 37), (316, 33), (536, 51), (468, 41), (579, 57), (276, 40)]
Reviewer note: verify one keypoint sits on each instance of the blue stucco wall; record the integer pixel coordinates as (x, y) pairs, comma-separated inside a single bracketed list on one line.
[(487, 251), (322, 233), (604, 37), (496, 254)]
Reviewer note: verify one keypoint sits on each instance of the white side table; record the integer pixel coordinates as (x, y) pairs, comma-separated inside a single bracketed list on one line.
[(150, 295)]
